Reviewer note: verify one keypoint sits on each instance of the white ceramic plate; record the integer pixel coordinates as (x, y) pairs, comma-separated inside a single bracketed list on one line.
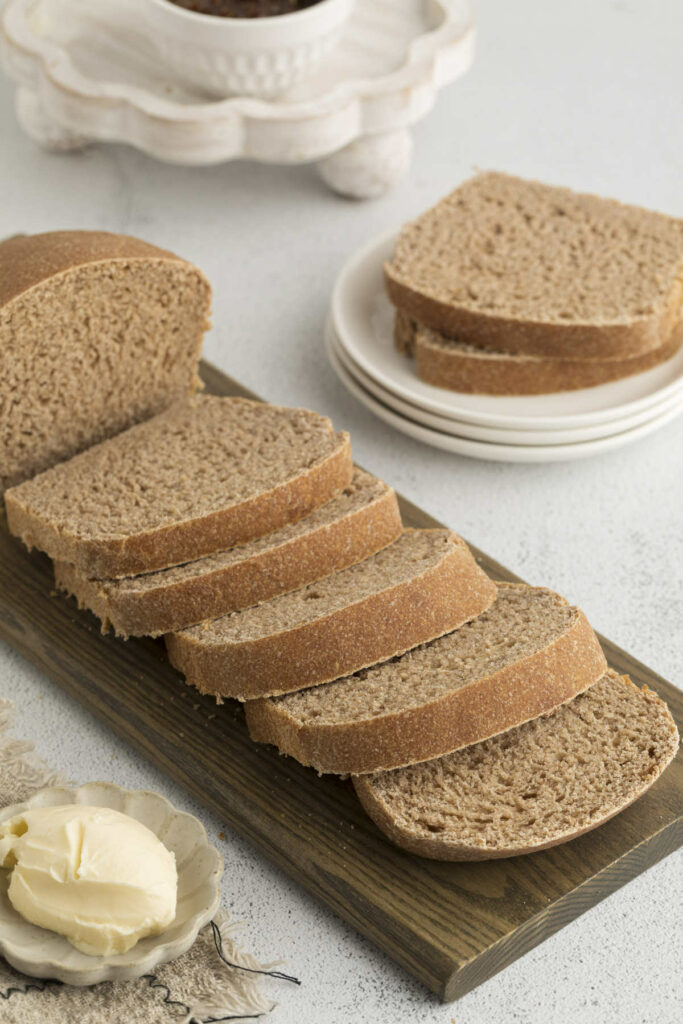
[(45, 954), (495, 452), (363, 321), (461, 428)]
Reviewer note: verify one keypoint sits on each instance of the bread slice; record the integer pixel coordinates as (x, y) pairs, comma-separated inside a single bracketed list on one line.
[(203, 476), (517, 266), (354, 525), (447, 363), (97, 332), (419, 587), (524, 656), (535, 786)]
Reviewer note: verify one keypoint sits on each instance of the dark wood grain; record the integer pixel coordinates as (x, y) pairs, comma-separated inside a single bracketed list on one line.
[(450, 925)]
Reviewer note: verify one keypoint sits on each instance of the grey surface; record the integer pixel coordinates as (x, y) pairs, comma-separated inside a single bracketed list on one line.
[(586, 94)]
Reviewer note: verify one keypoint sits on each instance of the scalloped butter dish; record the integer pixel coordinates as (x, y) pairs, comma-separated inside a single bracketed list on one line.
[(41, 953)]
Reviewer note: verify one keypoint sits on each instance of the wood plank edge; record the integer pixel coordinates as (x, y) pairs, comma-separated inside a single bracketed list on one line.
[(543, 925)]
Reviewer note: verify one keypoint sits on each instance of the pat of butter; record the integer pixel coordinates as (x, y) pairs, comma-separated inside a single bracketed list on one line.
[(97, 876)]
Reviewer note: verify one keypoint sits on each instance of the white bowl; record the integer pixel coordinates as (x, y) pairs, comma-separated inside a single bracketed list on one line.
[(45, 954), (245, 56)]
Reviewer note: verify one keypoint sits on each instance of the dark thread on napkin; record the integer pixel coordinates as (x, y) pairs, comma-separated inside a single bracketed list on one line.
[(217, 1020), (30, 987), (154, 982), (218, 939), (241, 1016)]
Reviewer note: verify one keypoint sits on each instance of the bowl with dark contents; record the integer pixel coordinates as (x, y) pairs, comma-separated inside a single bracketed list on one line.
[(245, 47)]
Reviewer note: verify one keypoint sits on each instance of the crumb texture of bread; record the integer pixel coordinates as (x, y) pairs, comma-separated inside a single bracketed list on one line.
[(421, 586), (518, 266), (201, 477), (447, 363), (543, 783), (97, 332), (525, 655), (355, 524)]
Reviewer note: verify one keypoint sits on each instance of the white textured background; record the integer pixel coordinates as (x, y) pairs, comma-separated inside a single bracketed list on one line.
[(586, 94)]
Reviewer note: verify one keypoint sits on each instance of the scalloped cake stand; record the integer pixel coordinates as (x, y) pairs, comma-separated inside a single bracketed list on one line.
[(88, 72)]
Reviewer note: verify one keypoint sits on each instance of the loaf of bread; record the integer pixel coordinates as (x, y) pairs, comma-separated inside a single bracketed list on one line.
[(520, 267), (477, 720), (538, 785), (352, 526), (525, 655), (97, 332), (447, 363), (421, 586), (205, 475)]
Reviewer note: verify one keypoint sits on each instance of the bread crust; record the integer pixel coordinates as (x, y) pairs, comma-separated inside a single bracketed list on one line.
[(378, 627), (27, 260), (483, 708), (503, 373), (551, 340), (443, 849), (273, 571), (182, 542)]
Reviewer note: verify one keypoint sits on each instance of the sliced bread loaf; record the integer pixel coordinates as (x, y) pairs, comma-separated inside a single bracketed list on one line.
[(354, 525), (524, 656), (517, 266), (418, 588), (452, 364), (535, 786), (203, 476), (97, 332)]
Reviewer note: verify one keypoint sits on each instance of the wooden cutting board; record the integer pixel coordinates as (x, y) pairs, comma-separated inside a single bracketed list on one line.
[(450, 925)]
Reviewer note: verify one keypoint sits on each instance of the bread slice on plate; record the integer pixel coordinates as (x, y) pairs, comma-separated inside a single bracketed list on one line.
[(517, 266), (447, 363), (525, 655), (535, 786), (201, 477), (355, 524), (97, 332), (421, 586)]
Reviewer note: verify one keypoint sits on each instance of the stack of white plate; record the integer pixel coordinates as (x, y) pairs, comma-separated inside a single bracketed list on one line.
[(535, 428)]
